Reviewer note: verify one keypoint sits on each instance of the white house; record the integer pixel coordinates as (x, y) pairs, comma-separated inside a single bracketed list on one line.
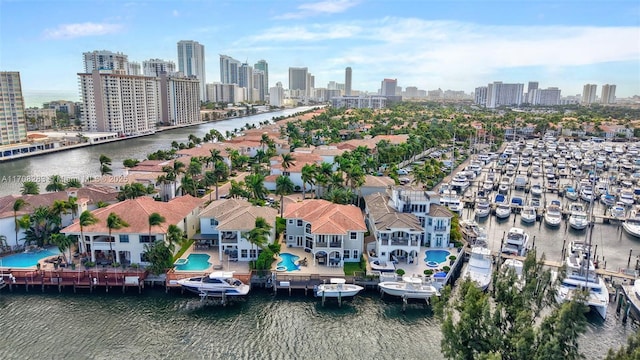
[(225, 223), (333, 233), (127, 244)]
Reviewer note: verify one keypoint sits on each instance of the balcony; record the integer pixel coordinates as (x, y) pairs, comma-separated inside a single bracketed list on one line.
[(336, 244), (396, 241), (229, 238), (439, 228)]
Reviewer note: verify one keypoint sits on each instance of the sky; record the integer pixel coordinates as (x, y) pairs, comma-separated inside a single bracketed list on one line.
[(430, 44)]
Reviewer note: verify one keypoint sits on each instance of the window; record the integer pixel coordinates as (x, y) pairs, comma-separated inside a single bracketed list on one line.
[(355, 254), (353, 235), (299, 223), (308, 229), (254, 253), (124, 238), (346, 253), (145, 239), (429, 221), (213, 222), (291, 221), (243, 253), (144, 258)]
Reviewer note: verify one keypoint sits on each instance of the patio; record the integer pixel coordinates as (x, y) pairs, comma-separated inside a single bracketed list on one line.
[(311, 267)]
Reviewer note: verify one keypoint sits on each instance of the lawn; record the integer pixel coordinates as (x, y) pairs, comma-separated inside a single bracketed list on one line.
[(351, 267)]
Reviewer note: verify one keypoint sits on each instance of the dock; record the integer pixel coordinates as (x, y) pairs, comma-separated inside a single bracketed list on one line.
[(91, 279)]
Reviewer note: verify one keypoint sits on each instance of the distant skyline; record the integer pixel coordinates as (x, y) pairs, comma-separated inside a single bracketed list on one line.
[(447, 44)]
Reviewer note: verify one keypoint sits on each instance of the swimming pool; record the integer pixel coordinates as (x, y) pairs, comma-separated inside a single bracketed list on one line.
[(437, 256), (195, 262), (27, 259), (288, 262)]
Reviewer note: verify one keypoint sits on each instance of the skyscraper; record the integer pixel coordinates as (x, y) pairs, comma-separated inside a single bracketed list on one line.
[(589, 94), (347, 81), (298, 81), (533, 85), (388, 87), (276, 95), (229, 68), (178, 99), (13, 124), (264, 66), (245, 80), (106, 60), (258, 84), (155, 67), (545, 97), (608, 95), (191, 62), (500, 94)]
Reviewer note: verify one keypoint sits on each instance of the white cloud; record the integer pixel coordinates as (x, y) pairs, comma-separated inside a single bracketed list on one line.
[(71, 31), (175, 13), (319, 8)]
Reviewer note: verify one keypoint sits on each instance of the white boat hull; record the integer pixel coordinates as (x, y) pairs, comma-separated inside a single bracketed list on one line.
[(631, 229), (397, 288), (337, 290)]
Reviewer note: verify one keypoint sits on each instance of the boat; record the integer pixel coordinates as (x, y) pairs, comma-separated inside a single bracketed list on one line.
[(516, 243), (472, 232), (483, 208), (553, 214), (626, 197), (480, 267), (411, 287), (578, 218), (516, 203), (503, 209), (618, 212), (586, 193), (504, 185), (535, 203), (217, 282), (337, 288), (382, 266), (451, 200), (608, 199), (632, 225), (571, 193), (581, 275), (516, 267), (460, 183), (528, 215), (487, 185), (536, 190)]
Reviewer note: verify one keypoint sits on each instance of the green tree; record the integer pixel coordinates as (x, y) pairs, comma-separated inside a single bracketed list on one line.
[(73, 183), (129, 163), (255, 187), (72, 206), (64, 243), (86, 218), (114, 222), (105, 165), (160, 257), (30, 188), (308, 177), (174, 236), (629, 352), (284, 186), (259, 235), (18, 205), (155, 219), (42, 223), (55, 184)]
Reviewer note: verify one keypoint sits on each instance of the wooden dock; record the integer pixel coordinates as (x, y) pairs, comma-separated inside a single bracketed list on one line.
[(91, 279)]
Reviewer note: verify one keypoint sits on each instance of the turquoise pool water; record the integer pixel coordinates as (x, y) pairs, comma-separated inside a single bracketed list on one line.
[(437, 255), (196, 262), (27, 259), (288, 262)]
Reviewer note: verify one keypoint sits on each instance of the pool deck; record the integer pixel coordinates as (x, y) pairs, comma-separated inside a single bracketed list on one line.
[(419, 265)]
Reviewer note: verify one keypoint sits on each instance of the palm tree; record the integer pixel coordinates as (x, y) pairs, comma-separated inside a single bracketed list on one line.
[(155, 219), (255, 186), (174, 235), (264, 140), (287, 161), (173, 172), (215, 159), (59, 208), (72, 204), (30, 188), (114, 222), (308, 177), (73, 183), (284, 186), (55, 184), (86, 219), (259, 235), (63, 242), (18, 205), (105, 163)]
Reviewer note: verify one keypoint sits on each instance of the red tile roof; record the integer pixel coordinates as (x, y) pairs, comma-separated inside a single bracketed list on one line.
[(326, 217)]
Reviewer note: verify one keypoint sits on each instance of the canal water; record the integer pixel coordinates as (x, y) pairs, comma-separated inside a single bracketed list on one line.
[(83, 163)]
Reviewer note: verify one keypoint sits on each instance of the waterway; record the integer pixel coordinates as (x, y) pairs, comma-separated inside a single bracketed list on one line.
[(82, 163)]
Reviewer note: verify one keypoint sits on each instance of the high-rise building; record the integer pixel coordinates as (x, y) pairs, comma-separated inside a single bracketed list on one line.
[(299, 78), (264, 67), (608, 95), (347, 81), (245, 76), (179, 99), (155, 67), (124, 104), (133, 68), (545, 97), (191, 62), (533, 85), (259, 80), (13, 124), (389, 87), (229, 68), (106, 60), (480, 95), (589, 94), (225, 93), (500, 94), (276, 95)]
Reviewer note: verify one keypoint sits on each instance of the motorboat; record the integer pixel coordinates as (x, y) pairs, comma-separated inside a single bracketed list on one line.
[(411, 287), (483, 208), (618, 212), (608, 199), (535, 203), (487, 185), (571, 193), (382, 266), (626, 197), (581, 275), (451, 200), (528, 215), (516, 267), (216, 282), (536, 190), (472, 232), (460, 183), (578, 216), (553, 214), (586, 193), (516, 243), (503, 209), (480, 267), (504, 185), (337, 288), (632, 224)]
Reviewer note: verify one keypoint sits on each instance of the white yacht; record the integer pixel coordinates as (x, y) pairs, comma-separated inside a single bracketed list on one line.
[(618, 212), (337, 288), (586, 193), (472, 232), (536, 190), (483, 208), (553, 214), (480, 267), (450, 199), (517, 267), (626, 197), (516, 243), (215, 283), (571, 193), (460, 183), (581, 275), (632, 224), (503, 210), (411, 287), (578, 218), (528, 215)]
